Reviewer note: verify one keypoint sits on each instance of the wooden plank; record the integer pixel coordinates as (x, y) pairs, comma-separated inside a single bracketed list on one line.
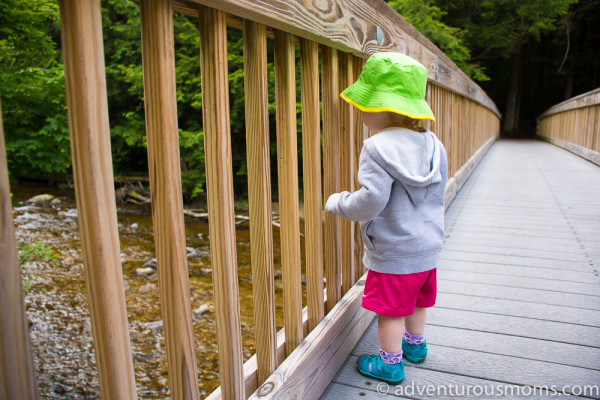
[(519, 309), (287, 167), (492, 290), (219, 176), (506, 259), (160, 95), (500, 268), (562, 258), (346, 144), (308, 370), (495, 343), (550, 285), (17, 371), (328, 23), (311, 153), (85, 80), (331, 165), (259, 196), (516, 326), (421, 383)]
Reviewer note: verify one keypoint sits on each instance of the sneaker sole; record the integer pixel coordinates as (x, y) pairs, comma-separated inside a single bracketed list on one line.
[(415, 360), (368, 375)]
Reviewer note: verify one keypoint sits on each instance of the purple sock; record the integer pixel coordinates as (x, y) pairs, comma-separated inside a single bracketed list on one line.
[(390, 358), (413, 339)]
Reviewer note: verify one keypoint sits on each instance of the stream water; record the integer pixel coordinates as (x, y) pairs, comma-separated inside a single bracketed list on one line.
[(58, 312)]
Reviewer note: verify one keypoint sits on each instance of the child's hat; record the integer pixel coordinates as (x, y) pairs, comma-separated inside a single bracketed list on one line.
[(391, 82)]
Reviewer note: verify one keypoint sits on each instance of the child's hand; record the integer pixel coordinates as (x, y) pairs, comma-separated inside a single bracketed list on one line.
[(332, 203)]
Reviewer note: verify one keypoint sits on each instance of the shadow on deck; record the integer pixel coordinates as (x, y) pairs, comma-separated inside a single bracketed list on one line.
[(518, 287)]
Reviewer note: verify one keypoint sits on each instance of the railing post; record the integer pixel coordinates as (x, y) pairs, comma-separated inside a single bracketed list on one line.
[(331, 171), (287, 168), (219, 186), (83, 54), (158, 58), (360, 134), (17, 372), (346, 121), (311, 154), (259, 196)]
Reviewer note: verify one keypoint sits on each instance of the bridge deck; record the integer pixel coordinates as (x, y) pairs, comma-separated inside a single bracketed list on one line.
[(519, 287)]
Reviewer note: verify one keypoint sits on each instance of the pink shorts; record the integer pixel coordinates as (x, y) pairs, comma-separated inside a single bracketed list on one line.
[(393, 295)]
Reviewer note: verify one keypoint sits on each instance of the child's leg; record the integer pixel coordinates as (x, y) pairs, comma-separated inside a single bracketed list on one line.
[(415, 323), (390, 331)]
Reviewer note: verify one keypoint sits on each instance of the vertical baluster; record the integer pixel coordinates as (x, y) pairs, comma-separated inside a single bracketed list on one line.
[(346, 145), (287, 168), (360, 134), (83, 54), (311, 153), (259, 196), (17, 372), (331, 166), (158, 58), (219, 183)]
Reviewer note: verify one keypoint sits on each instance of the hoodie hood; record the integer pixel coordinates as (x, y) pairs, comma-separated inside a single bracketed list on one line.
[(413, 158)]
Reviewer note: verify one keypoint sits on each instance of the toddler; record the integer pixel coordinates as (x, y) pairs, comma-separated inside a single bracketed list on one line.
[(400, 206)]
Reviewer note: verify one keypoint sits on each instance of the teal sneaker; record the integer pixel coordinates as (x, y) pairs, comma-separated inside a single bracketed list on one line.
[(414, 353), (372, 366)]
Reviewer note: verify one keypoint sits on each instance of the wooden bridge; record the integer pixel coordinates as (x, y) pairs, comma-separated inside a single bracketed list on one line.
[(519, 288)]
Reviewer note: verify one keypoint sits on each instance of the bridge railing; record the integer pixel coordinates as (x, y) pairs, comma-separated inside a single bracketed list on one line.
[(574, 125), (334, 37)]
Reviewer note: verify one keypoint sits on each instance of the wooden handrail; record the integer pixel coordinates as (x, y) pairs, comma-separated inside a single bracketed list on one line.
[(573, 125), (588, 99), (357, 27)]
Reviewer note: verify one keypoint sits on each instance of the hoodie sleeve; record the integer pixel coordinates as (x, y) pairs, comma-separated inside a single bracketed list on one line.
[(364, 204)]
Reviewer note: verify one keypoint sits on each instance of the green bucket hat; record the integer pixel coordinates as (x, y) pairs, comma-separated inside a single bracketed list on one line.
[(391, 82)]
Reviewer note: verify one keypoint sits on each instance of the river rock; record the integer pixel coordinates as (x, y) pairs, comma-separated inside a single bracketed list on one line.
[(41, 199), (69, 260), (152, 325), (145, 271)]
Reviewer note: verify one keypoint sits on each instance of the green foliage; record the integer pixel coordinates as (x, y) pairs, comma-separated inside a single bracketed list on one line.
[(427, 17), (36, 252), (32, 88)]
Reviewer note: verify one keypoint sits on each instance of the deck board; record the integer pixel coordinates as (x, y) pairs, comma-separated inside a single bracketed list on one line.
[(519, 284)]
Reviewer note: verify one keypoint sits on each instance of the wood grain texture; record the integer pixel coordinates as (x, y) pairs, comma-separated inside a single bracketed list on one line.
[(308, 370), (331, 171), (250, 366), (17, 372), (588, 99), (311, 153), (360, 134), (351, 26), (346, 145), (158, 57), (287, 168), (83, 54), (219, 176), (259, 196)]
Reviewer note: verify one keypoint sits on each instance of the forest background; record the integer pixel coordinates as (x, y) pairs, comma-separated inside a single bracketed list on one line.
[(526, 54)]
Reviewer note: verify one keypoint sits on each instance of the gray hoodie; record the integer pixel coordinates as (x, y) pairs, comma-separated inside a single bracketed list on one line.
[(400, 205)]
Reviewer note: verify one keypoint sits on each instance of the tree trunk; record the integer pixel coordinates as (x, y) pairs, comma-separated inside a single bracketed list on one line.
[(511, 117)]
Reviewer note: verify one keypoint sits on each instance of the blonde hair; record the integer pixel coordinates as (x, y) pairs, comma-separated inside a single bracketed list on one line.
[(402, 121)]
